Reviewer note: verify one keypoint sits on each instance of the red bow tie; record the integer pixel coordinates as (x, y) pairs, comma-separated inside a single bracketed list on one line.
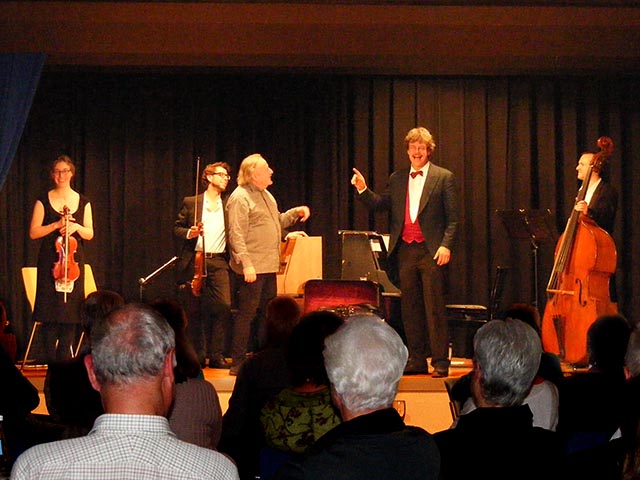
[(415, 174)]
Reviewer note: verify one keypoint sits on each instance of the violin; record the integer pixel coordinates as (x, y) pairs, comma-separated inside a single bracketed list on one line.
[(199, 270), (66, 270), (199, 262)]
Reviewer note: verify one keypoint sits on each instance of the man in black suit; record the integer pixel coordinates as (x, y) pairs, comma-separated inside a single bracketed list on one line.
[(424, 219), (601, 199), (600, 203), (202, 220)]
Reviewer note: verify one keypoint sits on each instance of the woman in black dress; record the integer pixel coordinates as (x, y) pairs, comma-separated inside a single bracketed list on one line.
[(59, 313)]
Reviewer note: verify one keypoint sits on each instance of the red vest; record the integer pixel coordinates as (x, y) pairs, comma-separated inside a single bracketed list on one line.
[(411, 231)]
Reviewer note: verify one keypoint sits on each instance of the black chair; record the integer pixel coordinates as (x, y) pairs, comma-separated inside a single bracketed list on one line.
[(465, 320)]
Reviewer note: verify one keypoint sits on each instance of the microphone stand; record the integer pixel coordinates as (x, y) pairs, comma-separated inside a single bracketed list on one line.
[(143, 281)]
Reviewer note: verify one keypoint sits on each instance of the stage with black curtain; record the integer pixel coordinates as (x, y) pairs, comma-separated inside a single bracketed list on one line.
[(512, 142)]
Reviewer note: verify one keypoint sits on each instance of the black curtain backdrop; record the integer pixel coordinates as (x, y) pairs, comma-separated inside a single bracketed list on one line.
[(19, 76), (512, 143)]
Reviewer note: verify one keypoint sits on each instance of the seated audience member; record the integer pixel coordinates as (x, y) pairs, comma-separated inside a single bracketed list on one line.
[(131, 365), (7, 339), (631, 467), (297, 416), (365, 360), (498, 439), (19, 397), (543, 399), (631, 408), (71, 400), (590, 402), (196, 415), (260, 377), (550, 369)]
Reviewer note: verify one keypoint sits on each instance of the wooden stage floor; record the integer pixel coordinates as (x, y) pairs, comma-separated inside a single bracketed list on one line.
[(427, 402)]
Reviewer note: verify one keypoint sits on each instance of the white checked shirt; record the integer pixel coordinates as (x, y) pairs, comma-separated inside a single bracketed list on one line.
[(124, 447)]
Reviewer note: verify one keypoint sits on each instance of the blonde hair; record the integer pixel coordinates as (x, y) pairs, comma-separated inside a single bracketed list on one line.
[(248, 165), (421, 135)]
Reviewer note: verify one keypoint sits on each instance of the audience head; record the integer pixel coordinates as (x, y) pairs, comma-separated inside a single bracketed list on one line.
[(525, 312), (304, 354), (130, 344), (187, 364), (4, 322), (283, 313), (98, 305), (632, 357), (607, 340), (506, 359), (365, 360)]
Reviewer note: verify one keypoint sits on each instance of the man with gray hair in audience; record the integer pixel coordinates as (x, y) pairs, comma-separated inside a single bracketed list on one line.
[(365, 360), (498, 439), (131, 365)]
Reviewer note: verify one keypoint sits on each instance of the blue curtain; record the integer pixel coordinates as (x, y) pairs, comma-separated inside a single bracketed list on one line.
[(19, 76)]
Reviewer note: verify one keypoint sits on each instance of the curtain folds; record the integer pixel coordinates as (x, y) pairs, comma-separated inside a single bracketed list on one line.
[(19, 76), (512, 143)]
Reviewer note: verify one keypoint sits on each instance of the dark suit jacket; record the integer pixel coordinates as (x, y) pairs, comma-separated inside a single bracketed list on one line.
[(438, 212), (500, 444), (376, 446), (603, 206), (185, 220)]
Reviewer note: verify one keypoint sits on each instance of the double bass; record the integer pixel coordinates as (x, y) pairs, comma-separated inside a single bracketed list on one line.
[(578, 289)]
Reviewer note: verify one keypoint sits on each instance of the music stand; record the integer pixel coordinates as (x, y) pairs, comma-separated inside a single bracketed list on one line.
[(533, 225), (143, 281)]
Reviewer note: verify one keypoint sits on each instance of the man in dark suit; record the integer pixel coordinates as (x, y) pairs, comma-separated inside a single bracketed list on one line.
[(601, 199), (201, 225), (424, 219), (600, 202)]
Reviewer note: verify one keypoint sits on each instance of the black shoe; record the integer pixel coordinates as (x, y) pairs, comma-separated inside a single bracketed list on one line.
[(440, 369), (235, 367), (415, 367), (440, 372), (218, 362)]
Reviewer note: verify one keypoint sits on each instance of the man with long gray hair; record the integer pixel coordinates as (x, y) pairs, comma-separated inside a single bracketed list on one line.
[(498, 439), (255, 231), (365, 360), (131, 365)]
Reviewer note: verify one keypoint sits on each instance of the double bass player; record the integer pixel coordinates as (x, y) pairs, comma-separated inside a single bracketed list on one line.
[(601, 199), (581, 286)]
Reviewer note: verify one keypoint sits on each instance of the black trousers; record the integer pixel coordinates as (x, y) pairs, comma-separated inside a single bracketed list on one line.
[(423, 304)]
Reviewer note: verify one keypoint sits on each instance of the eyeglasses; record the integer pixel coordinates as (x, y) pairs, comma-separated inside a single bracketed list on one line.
[(223, 175), (61, 172), (418, 148)]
